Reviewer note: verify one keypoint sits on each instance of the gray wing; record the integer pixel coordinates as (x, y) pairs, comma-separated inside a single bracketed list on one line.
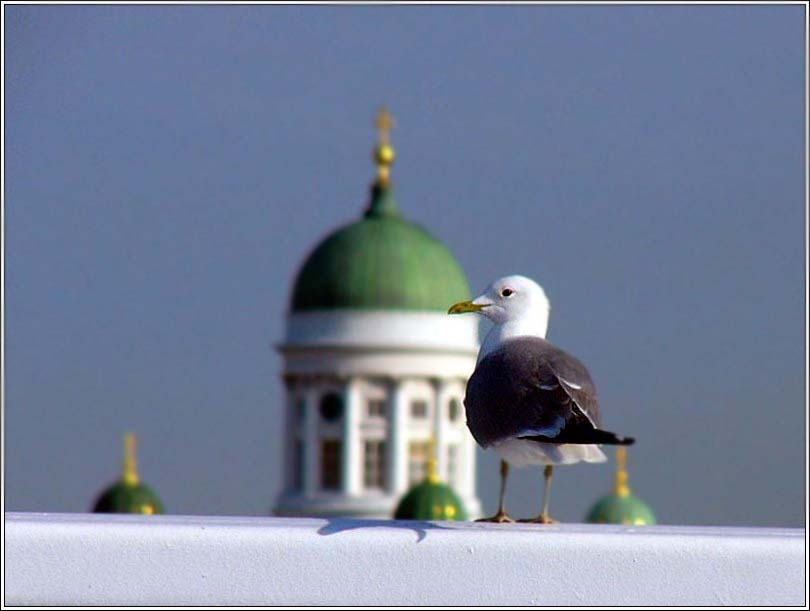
[(529, 388)]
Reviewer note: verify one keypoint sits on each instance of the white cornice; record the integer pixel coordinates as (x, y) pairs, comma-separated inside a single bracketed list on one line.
[(353, 329)]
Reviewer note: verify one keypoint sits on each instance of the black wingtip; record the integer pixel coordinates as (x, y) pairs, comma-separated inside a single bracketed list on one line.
[(585, 436), (608, 438)]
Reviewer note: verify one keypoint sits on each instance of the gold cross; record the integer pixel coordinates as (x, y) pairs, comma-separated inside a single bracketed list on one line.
[(622, 478), (130, 462), (385, 122)]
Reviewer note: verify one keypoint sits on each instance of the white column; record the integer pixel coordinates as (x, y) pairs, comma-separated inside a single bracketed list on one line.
[(352, 443), (398, 445), (441, 389), (312, 470), (290, 436)]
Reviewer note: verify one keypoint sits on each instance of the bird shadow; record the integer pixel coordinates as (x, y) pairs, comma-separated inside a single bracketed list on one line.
[(339, 525)]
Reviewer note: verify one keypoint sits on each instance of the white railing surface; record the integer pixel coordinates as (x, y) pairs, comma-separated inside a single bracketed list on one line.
[(84, 559)]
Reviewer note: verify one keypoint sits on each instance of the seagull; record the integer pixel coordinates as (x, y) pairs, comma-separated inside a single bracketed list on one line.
[(530, 401)]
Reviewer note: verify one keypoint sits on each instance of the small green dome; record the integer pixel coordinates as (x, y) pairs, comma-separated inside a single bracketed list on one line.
[(123, 497), (380, 262), (622, 506), (619, 509), (431, 500), (129, 494)]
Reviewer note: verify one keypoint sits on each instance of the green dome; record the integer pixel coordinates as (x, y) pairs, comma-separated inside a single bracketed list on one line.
[(621, 509), (381, 261), (123, 497), (129, 494), (430, 500)]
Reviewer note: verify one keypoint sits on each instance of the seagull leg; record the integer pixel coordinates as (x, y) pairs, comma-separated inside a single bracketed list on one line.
[(501, 516), (544, 518)]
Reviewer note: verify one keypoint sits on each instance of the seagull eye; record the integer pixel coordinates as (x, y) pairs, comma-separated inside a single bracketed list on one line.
[(506, 292)]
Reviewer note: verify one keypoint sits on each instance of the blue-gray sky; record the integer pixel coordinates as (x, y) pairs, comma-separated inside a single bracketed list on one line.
[(167, 168)]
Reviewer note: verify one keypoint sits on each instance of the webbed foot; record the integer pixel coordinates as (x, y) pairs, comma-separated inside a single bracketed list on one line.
[(499, 518), (541, 519)]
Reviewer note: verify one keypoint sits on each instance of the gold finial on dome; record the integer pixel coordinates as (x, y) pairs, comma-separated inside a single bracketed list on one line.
[(432, 467), (385, 122), (384, 154), (131, 476), (622, 477)]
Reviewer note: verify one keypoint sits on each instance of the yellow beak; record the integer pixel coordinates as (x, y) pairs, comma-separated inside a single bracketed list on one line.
[(465, 306)]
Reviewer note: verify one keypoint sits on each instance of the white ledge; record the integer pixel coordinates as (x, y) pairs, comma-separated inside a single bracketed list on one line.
[(85, 559)]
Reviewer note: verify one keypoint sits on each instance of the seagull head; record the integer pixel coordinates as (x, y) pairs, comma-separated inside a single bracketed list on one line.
[(511, 298)]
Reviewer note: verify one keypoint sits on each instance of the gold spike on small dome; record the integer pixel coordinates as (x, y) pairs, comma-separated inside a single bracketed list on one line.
[(129, 494), (384, 154), (431, 499), (130, 476), (621, 506), (432, 466), (622, 478)]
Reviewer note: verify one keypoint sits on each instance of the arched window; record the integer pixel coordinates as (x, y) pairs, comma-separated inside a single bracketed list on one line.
[(419, 409), (454, 410), (331, 472), (374, 453), (375, 408)]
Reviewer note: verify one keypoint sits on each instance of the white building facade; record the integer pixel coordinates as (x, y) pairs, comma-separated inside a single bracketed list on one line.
[(367, 392)]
